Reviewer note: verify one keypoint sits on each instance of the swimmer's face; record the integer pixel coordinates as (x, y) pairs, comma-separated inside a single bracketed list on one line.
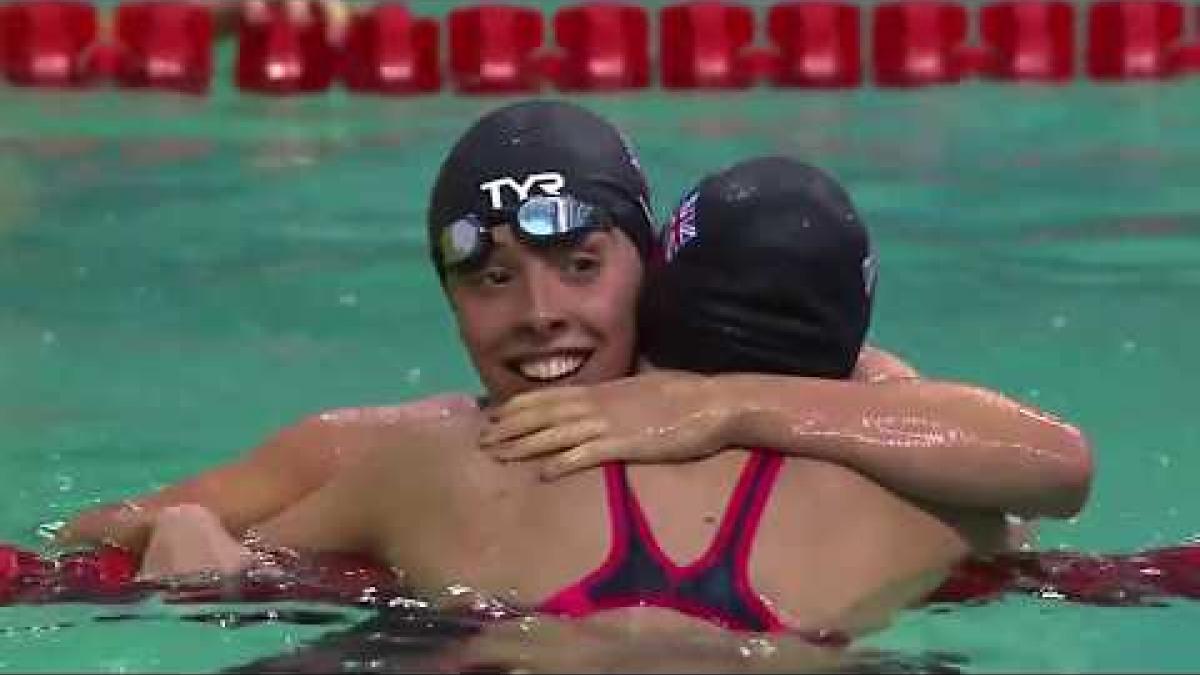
[(534, 317)]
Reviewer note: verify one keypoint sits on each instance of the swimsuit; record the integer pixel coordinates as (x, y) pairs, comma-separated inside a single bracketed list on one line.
[(637, 572)]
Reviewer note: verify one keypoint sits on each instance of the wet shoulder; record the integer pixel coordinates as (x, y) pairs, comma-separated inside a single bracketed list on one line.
[(429, 409), (323, 442)]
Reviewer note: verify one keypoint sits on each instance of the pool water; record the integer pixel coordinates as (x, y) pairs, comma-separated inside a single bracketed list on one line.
[(181, 277)]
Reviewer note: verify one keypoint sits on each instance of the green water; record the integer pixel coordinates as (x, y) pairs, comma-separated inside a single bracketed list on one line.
[(180, 277)]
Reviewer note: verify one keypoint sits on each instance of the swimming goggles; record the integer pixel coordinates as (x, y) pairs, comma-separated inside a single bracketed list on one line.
[(540, 220)]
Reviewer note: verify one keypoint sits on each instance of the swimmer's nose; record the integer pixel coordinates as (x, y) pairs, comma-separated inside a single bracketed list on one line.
[(547, 305), (547, 325)]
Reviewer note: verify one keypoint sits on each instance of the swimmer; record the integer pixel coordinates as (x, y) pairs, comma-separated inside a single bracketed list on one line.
[(746, 539), (555, 316)]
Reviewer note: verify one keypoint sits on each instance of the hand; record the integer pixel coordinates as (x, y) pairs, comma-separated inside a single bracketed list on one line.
[(125, 525), (663, 416), (189, 539)]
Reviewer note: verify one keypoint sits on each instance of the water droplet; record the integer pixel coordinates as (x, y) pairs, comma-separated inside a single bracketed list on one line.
[(49, 530)]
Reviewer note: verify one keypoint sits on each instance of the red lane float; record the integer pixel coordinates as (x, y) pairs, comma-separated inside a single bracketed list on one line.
[(918, 43), (44, 43), (604, 47), (1128, 580), (284, 54), (1188, 56), (1134, 39), (1029, 40), (164, 45), (598, 45), (106, 575), (703, 45), (816, 44), (492, 49), (389, 51)]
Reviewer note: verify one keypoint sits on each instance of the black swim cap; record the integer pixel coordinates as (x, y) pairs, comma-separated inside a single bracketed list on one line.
[(541, 148), (767, 268)]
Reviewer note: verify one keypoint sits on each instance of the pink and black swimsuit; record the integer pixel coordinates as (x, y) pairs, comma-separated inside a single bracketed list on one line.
[(637, 572)]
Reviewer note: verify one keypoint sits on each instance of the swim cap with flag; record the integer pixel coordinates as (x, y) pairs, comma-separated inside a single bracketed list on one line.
[(767, 268), (540, 148)]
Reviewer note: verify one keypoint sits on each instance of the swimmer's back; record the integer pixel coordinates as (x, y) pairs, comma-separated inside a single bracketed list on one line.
[(499, 528)]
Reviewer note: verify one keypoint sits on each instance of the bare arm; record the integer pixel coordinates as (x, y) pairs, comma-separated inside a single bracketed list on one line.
[(189, 539), (936, 442), (294, 462), (359, 510), (240, 493), (339, 516), (941, 442)]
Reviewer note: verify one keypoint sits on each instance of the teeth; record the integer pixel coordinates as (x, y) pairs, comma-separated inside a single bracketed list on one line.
[(550, 368)]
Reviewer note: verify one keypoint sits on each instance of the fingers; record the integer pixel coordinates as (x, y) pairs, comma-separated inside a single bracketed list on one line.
[(554, 439), (512, 425), (585, 456), (536, 399)]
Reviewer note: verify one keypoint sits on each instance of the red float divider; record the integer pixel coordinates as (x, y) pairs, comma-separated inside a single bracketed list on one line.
[(164, 45), (282, 55), (492, 49), (389, 51), (920, 42), (817, 44), (44, 43), (599, 45), (1188, 59), (1188, 56), (605, 46), (1134, 39), (703, 45), (107, 574), (1029, 40)]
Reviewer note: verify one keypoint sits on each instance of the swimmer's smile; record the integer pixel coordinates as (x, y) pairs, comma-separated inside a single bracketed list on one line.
[(550, 367)]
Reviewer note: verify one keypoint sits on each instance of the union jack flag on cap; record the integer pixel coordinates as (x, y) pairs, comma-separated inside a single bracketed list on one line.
[(682, 227)]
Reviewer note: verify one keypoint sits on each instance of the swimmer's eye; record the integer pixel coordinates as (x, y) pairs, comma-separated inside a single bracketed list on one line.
[(495, 276), (490, 276), (583, 264)]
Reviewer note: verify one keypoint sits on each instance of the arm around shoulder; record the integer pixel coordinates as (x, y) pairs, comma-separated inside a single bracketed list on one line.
[(943, 442)]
